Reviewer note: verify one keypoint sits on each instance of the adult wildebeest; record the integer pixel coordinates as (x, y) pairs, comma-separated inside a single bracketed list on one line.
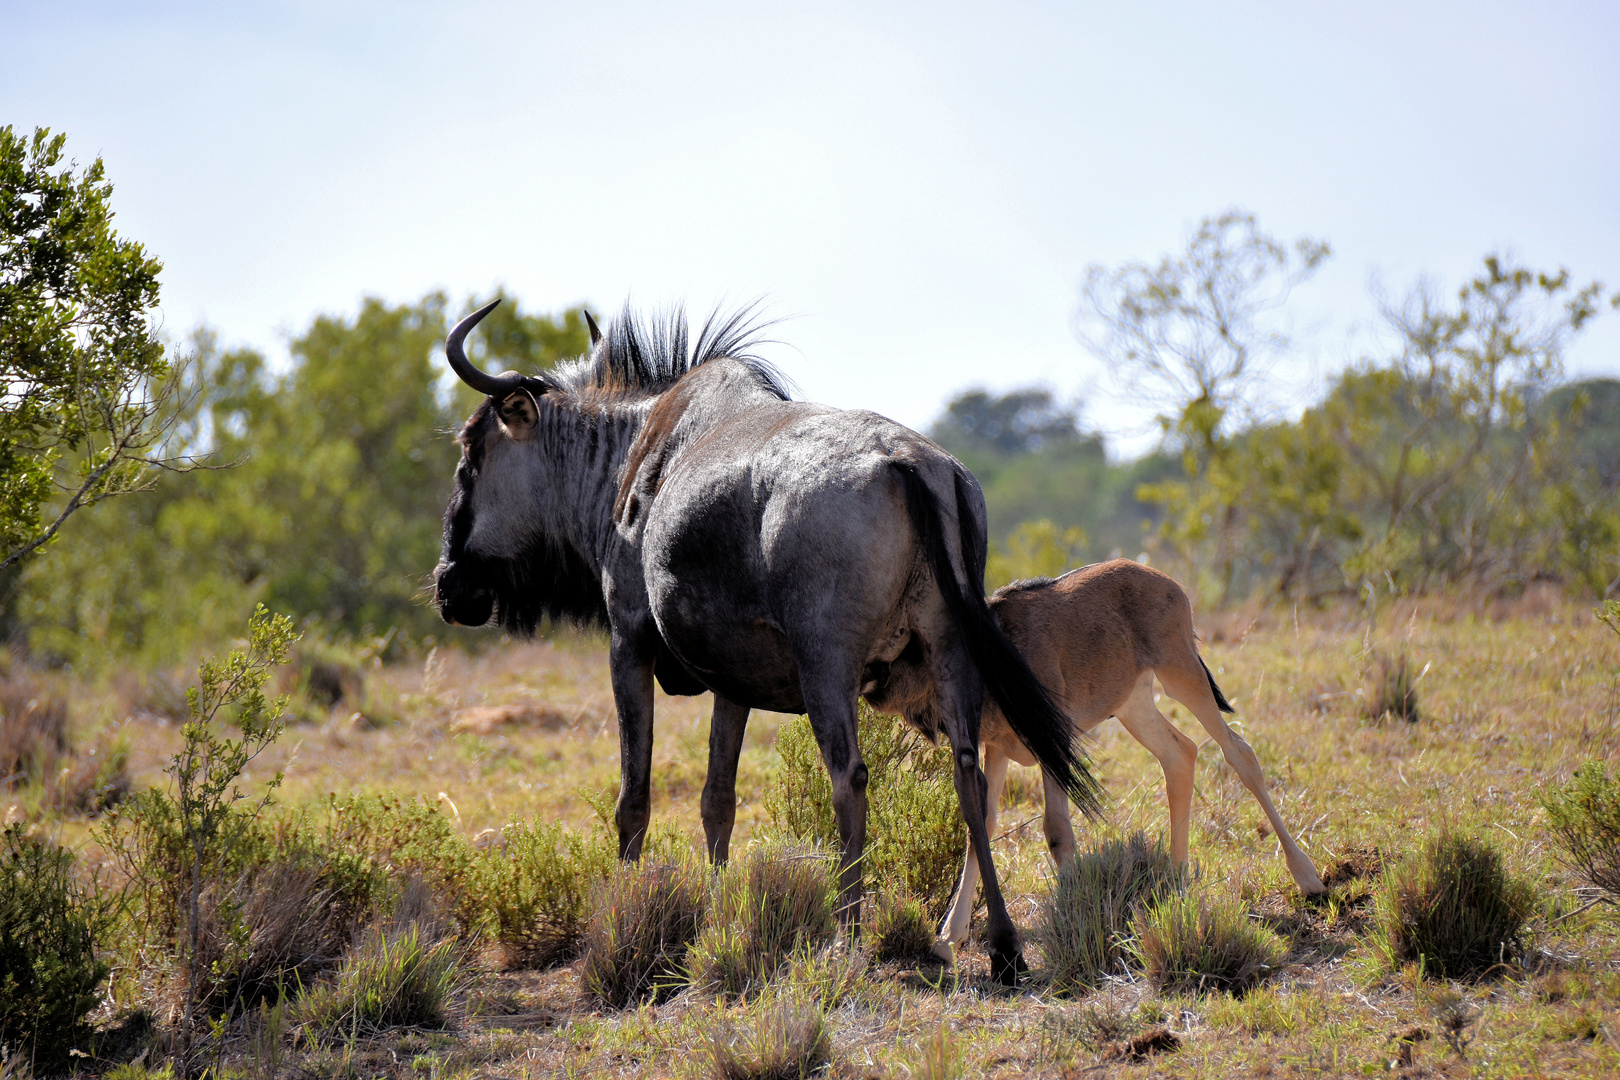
[(785, 556), (1096, 637)]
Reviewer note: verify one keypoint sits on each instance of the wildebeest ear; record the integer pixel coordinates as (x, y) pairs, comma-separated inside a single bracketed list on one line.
[(519, 413)]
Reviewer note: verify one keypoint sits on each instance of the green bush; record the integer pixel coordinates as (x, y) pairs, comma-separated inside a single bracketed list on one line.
[(1451, 906), (1585, 817), (50, 977), (538, 891), (1085, 921), (898, 926), (1195, 942), (768, 905), (915, 839), (783, 1040), (404, 838), (646, 918)]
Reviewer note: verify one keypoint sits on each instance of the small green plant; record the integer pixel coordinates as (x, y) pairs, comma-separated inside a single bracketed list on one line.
[(538, 891), (185, 849), (915, 839), (1392, 692), (646, 919), (50, 925), (1585, 817), (1085, 921), (898, 926), (781, 1040), (1451, 906), (1195, 941), (773, 902)]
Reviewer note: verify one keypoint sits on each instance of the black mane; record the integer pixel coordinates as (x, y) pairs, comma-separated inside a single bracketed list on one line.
[(642, 354)]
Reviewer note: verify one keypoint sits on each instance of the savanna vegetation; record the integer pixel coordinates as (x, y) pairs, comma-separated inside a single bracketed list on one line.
[(265, 816)]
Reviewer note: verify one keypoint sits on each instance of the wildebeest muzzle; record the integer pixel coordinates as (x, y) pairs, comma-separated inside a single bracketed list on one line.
[(462, 601)]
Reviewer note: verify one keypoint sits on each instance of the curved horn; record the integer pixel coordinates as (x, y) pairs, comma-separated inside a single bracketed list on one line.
[(596, 335), (493, 385)]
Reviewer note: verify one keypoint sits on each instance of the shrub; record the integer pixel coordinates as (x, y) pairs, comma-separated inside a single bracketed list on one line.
[(785, 1040), (915, 838), (771, 903), (1585, 817), (403, 973), (1195, 942), (646, 919), (406, 838), (538, 891), (50, 977), (898, 926), (1392, 692), (1085, 921), (1451, 906)]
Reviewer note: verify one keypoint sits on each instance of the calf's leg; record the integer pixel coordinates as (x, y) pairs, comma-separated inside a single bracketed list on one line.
[(1191, 688), (1176, 754)]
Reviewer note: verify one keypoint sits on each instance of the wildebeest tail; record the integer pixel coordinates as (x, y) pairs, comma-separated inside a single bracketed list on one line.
[(1220, 699), (1029, 708)]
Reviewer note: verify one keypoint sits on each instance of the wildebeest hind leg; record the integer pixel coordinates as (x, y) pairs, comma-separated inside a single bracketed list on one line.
[(832, 718), (726, 727), (962, 725), (957, 920)]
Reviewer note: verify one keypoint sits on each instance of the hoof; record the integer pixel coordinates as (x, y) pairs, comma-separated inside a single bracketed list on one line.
[(1008, 969), (943, 952)]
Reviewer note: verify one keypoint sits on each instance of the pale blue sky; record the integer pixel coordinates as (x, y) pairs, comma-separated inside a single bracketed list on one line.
[(919, 185)]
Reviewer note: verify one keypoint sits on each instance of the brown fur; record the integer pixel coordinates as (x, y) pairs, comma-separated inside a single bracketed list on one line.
[(1096, 637)]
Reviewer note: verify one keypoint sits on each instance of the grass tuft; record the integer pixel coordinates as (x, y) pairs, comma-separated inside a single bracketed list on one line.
[(1085, 921), (1392, 691), (1196, 942), (897, 926), (403, 973), (775, 901), (646, 919), (1452, 907), (782, 1040), (939, 1056)]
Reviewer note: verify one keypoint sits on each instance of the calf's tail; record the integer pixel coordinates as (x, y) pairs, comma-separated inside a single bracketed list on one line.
[(1035, 718)]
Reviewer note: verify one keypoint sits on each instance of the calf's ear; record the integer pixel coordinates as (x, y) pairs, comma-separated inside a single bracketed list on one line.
[(519, 413)]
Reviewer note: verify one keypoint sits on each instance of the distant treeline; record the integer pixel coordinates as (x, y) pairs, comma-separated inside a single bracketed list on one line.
[(330, 478), (1374, 484)]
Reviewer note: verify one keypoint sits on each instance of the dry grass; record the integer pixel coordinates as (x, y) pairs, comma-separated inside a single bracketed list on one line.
[(1515, 699)]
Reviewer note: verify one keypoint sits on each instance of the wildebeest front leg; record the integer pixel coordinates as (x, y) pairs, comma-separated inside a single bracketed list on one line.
[(726, 728), (832, 717), (633, 696)]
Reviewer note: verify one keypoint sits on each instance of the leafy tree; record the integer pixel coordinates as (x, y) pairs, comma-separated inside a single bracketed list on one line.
[(332, 512), (1193, 333), (1451, 457), (85, 394), (1021, 422)]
